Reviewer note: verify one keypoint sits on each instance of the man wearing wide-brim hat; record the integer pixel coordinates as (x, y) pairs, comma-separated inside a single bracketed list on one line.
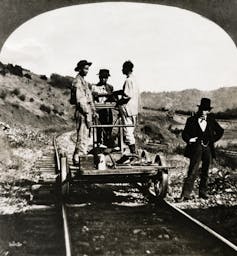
[(200, 133), (85, 109)]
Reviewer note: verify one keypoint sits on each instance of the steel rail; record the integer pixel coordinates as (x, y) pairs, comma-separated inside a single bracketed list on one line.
[(232, 248), (56, 155), (63, 207), (66, 232), (203, 226)]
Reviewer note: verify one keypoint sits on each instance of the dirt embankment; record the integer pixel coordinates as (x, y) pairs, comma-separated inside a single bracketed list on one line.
[(18, 153), (32, 107)]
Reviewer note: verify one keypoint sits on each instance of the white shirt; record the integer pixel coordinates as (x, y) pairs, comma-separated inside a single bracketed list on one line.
[(202, 123), (100, 89), (131, 90)]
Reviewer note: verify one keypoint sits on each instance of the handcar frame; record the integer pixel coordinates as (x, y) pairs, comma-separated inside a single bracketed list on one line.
[(151, 175)]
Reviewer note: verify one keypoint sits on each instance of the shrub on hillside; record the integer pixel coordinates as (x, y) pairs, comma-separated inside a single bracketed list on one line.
[(15, 70), (2, 65), (3, 95), (153, 131), (67, 92), (61, 82), (15, 105), (3, 72), (27, 76), (179, 149), (22, 97), (32, 100), (16, 92), (45, 108), (44, 77), (55, 110)]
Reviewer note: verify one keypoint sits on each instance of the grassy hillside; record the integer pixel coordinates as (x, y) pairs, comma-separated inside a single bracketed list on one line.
[(32, 108), (33, 100), (187, 100)]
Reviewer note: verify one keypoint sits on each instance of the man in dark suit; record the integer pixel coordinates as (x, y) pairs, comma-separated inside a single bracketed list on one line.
[(200, 133)]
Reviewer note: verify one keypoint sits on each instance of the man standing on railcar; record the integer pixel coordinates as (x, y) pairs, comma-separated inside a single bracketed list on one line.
[(129, 108), (101, 92), (200, 133), (85, 109)]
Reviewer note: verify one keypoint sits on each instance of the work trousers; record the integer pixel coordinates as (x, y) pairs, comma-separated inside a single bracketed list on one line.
[(104, 135), (129, 131), (200, 154), (83, 136)]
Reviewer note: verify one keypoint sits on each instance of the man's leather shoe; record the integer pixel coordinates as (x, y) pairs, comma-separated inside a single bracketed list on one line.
[(122, 160)]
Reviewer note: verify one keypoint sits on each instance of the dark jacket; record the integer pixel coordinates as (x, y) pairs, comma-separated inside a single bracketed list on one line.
[(192, 129)]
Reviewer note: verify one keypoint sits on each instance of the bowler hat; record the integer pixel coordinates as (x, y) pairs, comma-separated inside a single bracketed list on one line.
[(205, 104), (81, 64), (104, 73)]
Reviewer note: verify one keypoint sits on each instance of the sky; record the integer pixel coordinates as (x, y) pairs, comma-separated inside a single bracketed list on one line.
[(172, 49)]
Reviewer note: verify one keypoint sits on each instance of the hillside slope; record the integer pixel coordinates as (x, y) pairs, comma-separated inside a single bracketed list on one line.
[(33, 101), (187, 100)]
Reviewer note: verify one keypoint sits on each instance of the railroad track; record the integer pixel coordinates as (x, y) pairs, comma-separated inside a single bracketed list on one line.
[(108, 227)]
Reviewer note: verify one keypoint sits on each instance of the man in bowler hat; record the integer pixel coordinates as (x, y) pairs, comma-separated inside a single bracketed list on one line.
[(200, 133), (85, 109), (102, 91)]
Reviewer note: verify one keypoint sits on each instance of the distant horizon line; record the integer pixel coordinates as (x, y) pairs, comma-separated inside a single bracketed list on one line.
[(164, 91)]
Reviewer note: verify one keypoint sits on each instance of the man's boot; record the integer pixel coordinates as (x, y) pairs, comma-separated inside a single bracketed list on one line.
[(186, 191), (132, 149), (76, 157), (122, 160), (203, 189), (133, 159)]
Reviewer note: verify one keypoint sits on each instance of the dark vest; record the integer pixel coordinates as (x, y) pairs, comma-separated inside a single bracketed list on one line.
[(204, 136)]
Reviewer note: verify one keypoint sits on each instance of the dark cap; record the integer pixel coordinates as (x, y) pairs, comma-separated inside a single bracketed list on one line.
[(205, 104), (104, 73), (82, 64)]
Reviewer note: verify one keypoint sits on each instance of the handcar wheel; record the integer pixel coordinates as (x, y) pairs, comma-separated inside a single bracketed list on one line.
[(160, 160), (145, 156), (161, 184), (65, 184)]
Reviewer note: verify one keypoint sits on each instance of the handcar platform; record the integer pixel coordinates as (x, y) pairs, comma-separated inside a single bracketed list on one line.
[(150, 174)]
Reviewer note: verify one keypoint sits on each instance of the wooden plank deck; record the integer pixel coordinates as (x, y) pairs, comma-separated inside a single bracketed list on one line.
[(121, 170)]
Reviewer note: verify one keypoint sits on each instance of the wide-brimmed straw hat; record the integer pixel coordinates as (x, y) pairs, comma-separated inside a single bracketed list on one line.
[(81, 64)]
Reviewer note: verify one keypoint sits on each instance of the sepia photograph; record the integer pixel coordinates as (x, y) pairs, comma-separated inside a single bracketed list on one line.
[(118, 127)]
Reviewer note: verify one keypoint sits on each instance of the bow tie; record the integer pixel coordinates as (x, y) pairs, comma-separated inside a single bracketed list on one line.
[(202, 118)]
